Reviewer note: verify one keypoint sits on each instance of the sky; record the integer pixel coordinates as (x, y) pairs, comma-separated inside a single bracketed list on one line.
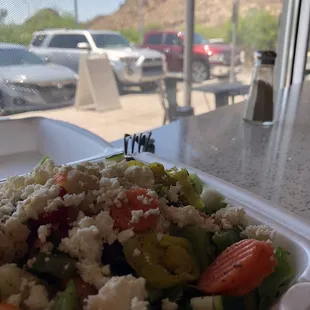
[(18, 10)]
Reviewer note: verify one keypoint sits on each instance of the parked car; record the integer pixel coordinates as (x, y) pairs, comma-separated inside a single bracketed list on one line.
[(209, 58), (131, 66), (25, 79)]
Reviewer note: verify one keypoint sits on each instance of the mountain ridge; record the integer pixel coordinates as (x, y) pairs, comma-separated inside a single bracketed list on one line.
[(171, 13)]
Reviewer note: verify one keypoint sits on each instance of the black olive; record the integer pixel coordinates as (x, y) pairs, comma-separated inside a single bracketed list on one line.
[(113, 255)]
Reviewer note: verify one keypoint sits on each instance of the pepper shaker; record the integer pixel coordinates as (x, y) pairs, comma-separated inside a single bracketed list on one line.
[(260, 105)]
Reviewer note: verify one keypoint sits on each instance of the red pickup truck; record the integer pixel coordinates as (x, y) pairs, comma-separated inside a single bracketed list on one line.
[(209, 58)]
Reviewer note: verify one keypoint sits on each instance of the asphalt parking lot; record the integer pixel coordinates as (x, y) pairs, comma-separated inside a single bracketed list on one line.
[(139, 112)]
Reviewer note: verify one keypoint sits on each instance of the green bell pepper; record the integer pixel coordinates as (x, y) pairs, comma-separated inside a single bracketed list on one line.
[(58, 265), (223, 239), (163, 263), (68, 299)]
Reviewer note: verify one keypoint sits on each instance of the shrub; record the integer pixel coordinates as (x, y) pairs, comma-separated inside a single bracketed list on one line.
[(47, 18), (132, 35)]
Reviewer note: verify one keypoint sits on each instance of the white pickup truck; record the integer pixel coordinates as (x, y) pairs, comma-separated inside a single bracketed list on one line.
[(131, 66)]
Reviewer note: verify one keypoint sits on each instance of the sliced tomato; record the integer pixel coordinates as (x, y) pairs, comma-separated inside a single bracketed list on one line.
[(138, 200)]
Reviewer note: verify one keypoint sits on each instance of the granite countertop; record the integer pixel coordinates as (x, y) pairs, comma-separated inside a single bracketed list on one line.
[(271, 162)]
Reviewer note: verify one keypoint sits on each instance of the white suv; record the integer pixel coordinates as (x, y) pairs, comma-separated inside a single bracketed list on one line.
[(131, 66)]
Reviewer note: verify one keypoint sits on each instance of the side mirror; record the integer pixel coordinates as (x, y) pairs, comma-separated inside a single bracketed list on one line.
[(83, 46)]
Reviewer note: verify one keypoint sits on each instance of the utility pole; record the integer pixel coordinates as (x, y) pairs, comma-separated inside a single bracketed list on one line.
[(141, 23), (234, 40), (76, 12), (188, 51)]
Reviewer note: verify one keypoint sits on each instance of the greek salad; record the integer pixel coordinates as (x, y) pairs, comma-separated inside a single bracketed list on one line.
[(126, 235)]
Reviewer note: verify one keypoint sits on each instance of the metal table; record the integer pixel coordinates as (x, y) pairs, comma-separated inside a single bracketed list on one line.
[(223, 91)]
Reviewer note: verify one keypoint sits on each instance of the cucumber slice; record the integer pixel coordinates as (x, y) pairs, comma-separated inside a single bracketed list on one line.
[(207, 303)]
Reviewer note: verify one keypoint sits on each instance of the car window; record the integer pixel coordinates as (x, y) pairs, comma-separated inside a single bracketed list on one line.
[(154, 39), (110, 40), (38, 40), (67, 40), (172, 39), (17, 57)]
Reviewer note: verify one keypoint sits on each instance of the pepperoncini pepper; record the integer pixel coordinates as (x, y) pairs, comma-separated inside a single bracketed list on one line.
[(164, 263), (160, 174), (189, 193)]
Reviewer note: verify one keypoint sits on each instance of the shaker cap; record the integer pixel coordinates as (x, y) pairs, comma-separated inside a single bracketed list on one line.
[(265, 57)]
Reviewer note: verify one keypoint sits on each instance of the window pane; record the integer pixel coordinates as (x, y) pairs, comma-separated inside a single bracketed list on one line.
[(52, 30), (172, 39), (57, 41), (67, 41), (110, 40), (154, 39), (15, 56)]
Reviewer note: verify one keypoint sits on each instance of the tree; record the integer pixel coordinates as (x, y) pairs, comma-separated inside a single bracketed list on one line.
[(258, 29), (46, 18), (3, 15)]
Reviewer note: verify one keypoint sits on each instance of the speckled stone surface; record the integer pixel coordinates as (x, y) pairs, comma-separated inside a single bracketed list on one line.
[(271, 162)]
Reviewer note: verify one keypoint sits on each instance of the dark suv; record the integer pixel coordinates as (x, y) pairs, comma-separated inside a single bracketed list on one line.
[(209, 58)]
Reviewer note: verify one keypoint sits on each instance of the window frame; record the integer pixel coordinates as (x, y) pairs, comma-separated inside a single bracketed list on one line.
[(36, 36)]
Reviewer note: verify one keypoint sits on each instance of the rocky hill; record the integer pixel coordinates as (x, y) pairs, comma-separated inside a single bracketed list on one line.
[(170, 13)]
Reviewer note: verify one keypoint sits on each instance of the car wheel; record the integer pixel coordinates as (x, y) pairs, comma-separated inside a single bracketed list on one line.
[(200, 71), (149, 87), (2, 105), (119, 85)]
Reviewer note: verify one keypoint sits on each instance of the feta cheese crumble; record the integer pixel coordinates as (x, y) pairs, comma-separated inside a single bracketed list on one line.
[(168, 305), (93, 274), (259, 232), (43, 232), (136, 252), (230, 216), (189, 215), (118, 293)]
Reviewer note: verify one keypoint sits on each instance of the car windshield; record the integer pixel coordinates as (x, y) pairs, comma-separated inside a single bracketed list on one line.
[(18, 57), (198, 39), (110, 41)]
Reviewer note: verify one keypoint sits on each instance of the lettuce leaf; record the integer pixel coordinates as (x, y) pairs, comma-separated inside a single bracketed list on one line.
[(277, 282)]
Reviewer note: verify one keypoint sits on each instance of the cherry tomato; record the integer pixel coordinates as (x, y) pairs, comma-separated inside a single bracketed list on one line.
[(60, 179), (138, 200)]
